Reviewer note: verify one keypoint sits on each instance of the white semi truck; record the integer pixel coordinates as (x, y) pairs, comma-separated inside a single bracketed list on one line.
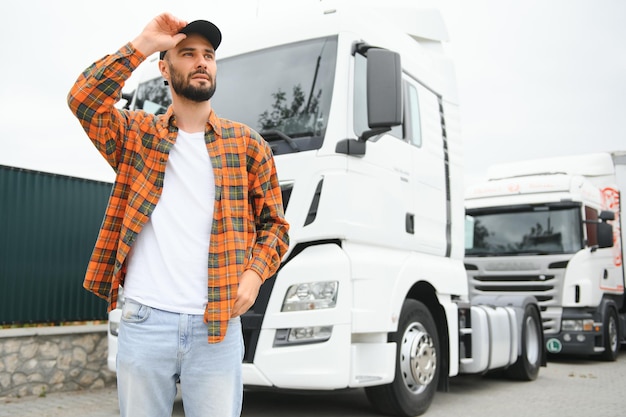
[(552, 228), (361, 111)]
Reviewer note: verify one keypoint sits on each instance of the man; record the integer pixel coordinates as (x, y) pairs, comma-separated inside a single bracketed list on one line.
[(194, 224)]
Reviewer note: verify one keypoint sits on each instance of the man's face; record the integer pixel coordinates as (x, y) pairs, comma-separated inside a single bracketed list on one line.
[(192, 69)]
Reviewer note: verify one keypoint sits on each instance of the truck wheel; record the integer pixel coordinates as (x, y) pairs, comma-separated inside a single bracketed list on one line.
[(417, 373), (527, 366), (610, 334)]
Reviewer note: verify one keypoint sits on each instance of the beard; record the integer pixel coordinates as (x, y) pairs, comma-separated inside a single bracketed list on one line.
[(183, 87)]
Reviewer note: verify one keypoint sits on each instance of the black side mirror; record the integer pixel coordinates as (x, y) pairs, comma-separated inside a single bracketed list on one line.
[(607, 215), (605, 235), (384, 88), (384, 98)]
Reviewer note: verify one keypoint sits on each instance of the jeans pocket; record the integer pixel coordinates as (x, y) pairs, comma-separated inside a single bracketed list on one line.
[(133, 312)]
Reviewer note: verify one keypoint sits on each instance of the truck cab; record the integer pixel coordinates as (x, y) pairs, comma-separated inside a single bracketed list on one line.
[(551, 228), (360, 109)]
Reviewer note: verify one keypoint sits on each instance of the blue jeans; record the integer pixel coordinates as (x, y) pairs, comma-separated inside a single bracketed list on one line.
[(157, 348)]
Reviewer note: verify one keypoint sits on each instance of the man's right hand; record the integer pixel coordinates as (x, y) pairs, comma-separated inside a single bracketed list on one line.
[(161, 34)]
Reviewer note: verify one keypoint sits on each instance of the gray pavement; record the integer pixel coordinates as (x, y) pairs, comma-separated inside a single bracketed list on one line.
[(567, 386)]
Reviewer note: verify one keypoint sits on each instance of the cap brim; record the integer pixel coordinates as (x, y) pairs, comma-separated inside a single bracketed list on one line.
[(204, 28)]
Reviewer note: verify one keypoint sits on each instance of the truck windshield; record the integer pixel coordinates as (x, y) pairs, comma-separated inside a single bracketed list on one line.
[(535, 230), (284, 92)]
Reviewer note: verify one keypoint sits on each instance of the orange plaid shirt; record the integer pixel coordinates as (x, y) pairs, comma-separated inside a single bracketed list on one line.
[(249, 230)]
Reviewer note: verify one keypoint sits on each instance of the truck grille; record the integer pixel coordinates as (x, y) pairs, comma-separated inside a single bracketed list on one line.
[(509, 276), (540, 286)]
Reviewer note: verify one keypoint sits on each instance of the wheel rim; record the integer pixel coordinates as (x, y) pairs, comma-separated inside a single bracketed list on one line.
[(532, 340), (612, 334), (418, 358)]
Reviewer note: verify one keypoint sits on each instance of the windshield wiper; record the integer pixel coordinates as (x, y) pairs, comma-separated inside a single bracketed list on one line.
[(271, 135)]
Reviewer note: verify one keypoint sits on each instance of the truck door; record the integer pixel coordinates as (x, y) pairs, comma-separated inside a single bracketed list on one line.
[(406, 167), (424, 131), (383, 177)]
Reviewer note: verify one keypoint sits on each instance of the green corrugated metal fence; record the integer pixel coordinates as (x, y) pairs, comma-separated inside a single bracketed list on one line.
[(48, 226)]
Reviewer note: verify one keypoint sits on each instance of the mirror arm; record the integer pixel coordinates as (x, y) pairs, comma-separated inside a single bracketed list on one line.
[(373, 132)]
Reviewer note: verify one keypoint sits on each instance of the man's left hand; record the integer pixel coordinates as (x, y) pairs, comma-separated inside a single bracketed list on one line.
[(249, 284)]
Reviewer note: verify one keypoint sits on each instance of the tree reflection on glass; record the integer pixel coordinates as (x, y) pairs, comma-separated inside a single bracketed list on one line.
[(292, 118), (540, 239), (480, 234), (153, 96)]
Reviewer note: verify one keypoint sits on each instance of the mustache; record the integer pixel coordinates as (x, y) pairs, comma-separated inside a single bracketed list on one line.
[(201, 72)]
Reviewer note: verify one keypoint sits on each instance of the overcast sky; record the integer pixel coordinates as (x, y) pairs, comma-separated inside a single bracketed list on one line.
[(536, 77)]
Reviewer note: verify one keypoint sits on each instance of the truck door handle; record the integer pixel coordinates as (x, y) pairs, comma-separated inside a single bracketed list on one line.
[(409, 223)]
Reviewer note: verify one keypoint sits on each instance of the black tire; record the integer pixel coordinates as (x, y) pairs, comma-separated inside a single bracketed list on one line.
[(610, 335), (417, 365), (529, 361)]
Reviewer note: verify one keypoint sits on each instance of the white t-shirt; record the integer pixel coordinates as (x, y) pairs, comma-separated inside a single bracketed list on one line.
[(167, 266)]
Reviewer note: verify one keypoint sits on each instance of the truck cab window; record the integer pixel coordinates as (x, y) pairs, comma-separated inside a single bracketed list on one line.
[(286, 89), (414, 122)]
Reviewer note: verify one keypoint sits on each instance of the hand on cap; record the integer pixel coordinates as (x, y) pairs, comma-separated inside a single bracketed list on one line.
[(160, 34)]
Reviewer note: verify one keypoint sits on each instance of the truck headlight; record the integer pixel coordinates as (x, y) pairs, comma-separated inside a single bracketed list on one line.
[(311, 296), (585, 325)]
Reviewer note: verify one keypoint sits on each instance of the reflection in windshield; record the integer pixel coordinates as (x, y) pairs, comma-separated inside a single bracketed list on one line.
[(153, 96), (285, 89), (524, 232)]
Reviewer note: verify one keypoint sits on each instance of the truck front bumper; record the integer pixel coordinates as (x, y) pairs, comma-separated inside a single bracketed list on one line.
[(580, 334), (573, 343)]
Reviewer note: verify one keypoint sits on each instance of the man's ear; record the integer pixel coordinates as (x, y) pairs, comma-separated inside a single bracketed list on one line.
[(165, 70)]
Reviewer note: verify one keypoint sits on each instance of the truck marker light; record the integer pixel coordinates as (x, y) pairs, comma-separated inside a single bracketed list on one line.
[(302, 335)]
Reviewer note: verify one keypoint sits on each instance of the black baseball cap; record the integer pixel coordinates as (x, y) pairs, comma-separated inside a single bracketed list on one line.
[(203, 28)]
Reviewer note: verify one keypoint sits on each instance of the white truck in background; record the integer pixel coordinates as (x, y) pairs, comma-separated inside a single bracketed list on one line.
[(361, 111), (552, 228)]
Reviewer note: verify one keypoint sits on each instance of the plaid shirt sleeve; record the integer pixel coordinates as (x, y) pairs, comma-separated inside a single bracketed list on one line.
[(93, 96), (92, 99)]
